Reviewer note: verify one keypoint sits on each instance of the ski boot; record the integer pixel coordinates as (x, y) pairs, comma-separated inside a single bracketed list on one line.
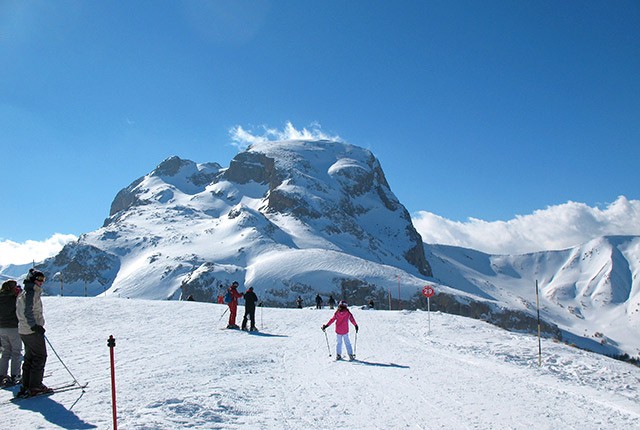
[(42, 389)]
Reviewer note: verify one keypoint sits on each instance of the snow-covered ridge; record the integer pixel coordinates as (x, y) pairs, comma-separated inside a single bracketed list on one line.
[(305, 217), (591, 291)]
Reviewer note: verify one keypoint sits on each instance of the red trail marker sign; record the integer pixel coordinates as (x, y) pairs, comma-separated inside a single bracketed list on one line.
[(428, 291)]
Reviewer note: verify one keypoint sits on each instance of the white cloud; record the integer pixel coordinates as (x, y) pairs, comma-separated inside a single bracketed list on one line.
[(242, 138), (556, 227), (31, 250)]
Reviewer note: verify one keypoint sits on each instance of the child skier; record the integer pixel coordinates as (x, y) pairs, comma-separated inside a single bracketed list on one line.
[(342, 317)]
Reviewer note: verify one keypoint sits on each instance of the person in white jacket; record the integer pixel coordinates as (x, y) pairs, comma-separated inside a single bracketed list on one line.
[(31, 328)]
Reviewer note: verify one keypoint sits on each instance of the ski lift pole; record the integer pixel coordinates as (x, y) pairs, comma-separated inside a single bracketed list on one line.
[(111, 343), (539, 344)]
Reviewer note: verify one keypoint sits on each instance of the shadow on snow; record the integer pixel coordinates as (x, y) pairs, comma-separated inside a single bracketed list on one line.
[(371, 363), (54, 412)]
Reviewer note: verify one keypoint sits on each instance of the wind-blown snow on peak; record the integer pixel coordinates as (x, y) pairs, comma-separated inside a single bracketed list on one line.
[(338, 190), (288, 218)]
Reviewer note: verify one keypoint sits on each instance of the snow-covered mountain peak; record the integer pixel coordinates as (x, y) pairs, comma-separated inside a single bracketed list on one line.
[(301, 217), (189, 228)]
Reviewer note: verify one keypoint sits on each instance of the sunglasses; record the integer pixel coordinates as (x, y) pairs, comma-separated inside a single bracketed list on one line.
[(40, 278)]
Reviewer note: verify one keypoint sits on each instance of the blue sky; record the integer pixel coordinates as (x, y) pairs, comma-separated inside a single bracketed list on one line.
[(482, 110)]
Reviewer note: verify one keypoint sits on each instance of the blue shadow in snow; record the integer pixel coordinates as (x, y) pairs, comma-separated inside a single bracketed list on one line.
[(371, 363), (259, 333), (54, 412)]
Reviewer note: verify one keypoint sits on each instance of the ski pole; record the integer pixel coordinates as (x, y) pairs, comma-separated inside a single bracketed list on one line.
[(65, 366), (355, 344), (225, 311), (327, 339)]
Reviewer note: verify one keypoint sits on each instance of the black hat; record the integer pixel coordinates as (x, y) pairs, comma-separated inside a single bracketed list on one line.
[(34, 274)]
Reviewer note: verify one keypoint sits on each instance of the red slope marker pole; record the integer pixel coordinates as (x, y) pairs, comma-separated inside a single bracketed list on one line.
[(111, 343)]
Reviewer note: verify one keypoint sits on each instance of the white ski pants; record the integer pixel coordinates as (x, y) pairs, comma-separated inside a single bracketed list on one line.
[(339, 339)]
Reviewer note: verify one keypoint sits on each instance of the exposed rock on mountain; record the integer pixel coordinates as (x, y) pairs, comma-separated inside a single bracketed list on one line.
[(192, 228), (298, 218)]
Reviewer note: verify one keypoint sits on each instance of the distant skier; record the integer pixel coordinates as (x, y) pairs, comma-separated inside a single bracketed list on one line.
[(318, 302), (332, 302), (9, 336), (250, 299), (342, 317), (299, 302), (233, 304)]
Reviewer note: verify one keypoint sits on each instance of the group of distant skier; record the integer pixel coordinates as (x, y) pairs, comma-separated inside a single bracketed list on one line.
[(342, 316), (250, 300)]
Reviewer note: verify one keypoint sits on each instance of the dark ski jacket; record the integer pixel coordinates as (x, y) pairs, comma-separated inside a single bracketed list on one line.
[(8, 318), (250, 299)]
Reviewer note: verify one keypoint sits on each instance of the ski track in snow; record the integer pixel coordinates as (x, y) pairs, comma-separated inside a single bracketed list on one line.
[(175, 368)]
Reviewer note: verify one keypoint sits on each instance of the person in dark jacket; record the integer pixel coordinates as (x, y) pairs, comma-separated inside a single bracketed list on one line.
[(318, 301), (31, 329), (9, 336), (250, 300), (332, 302)]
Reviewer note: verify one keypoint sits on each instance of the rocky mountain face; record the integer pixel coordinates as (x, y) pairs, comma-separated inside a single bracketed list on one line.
[(189, 228)]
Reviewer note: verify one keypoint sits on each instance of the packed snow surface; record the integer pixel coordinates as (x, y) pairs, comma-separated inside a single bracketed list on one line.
[(176, 367)]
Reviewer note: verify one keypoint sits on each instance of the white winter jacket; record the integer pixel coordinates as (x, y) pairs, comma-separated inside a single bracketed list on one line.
[(29, 308)]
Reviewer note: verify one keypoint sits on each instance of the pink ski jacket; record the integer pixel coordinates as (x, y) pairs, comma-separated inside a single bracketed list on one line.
[(342, 318)]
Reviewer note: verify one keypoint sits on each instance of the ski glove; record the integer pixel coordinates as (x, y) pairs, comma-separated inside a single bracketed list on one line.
[(356, 328), (38, 329), (324, 327)]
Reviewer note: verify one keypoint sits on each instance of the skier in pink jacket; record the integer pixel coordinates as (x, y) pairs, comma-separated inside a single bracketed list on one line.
[(342, 317)]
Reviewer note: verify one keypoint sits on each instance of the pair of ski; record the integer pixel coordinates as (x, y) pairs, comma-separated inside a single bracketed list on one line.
[(347, 359), (56, 390)]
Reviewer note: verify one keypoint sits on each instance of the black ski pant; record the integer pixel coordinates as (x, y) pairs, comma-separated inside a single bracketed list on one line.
[(35, 357), (249, 313)]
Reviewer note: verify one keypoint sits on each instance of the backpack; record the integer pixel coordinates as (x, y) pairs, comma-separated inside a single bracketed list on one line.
[(228, 298)]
